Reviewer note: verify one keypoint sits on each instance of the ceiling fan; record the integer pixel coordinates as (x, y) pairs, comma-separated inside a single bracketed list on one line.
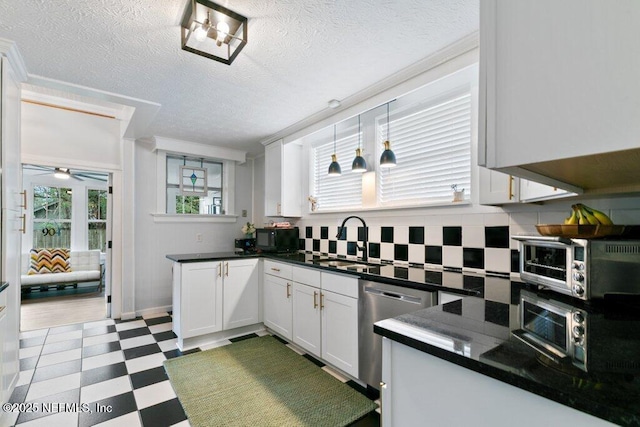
[(65, 173)]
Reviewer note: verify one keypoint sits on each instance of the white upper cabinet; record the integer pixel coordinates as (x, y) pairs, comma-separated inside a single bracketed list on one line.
[(560, 93), (497, 188), (283, 179)]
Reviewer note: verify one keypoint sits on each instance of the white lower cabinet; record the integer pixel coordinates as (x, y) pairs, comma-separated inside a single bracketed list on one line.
[(277, 305), (214, 296), (408, 375), (325, 322), (340, 331), (198, 305), (241, 293), (306, 318)]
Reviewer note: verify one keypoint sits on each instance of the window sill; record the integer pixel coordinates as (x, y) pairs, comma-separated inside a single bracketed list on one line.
[(191, 218), (396, 207)]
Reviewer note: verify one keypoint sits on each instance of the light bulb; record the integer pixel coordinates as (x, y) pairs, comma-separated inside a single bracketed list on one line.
[(200, 33), (223, 30)]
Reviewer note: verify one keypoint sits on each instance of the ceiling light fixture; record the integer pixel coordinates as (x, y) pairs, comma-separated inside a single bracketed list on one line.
[(359, 163), (334, 167), (213, 31), (62, 173), (388, 158), (334, 103)]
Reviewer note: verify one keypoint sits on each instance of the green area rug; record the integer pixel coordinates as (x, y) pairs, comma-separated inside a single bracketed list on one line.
[(261, 382)]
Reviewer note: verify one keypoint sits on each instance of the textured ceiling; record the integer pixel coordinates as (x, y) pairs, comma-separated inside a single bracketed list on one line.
[(300, 54)]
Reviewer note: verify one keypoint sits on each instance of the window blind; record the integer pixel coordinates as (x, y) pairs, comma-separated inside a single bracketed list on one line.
[(433, 151), (337, 192)]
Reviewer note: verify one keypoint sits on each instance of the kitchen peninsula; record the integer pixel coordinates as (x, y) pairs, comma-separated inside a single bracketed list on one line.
[(441, 351)]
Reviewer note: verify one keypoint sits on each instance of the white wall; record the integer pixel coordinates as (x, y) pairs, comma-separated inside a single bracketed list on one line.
[(154, 240), (54, 136)]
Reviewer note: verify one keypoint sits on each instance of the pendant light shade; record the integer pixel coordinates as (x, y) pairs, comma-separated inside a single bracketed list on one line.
[(359, 164), (388, 157), (334, 167)]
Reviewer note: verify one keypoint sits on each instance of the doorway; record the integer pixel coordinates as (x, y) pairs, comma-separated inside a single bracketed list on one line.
[(68, 230)]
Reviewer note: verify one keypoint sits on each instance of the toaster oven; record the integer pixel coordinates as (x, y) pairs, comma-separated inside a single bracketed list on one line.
[(582, 268)]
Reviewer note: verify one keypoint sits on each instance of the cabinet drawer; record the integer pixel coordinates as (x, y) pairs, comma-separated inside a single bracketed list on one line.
[(307, 276), (278, 269), (344, 285)]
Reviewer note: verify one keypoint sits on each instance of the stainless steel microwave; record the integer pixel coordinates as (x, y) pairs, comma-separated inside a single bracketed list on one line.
[(277, 239), (582, 268)]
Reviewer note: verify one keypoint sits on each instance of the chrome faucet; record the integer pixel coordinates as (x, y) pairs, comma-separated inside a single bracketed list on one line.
[(363, 248)]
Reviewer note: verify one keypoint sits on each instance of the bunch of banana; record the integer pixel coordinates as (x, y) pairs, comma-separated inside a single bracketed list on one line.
[(584, 215)]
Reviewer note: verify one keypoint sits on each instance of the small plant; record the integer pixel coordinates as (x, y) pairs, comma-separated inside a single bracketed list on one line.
[(248, 228)]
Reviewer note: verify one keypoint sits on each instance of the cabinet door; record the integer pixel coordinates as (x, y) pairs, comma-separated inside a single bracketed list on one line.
[(291, 185), (283, 179), (534, 71), (272, 178), (306, 318), (201, 304), (277, 310), (340, 331), (533, 191), (240, 293), (497, 188)]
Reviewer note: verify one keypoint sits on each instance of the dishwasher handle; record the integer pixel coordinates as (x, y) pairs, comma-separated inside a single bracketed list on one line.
[(393, 295)]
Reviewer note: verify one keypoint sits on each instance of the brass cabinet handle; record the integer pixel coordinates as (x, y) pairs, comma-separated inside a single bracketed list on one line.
[(315, 299), (226, 269), (275, 269), (24, 223), (321, 300), (510, 187), (288, 290), (24, 199), (220, 270)]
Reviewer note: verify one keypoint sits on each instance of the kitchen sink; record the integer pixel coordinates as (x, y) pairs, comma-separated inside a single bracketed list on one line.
[(340, 263)]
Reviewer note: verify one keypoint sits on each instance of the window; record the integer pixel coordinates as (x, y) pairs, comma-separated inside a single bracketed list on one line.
[(51, 217), (97, 219), (337, 192), (430, 130), (433, 146), (179, 202)]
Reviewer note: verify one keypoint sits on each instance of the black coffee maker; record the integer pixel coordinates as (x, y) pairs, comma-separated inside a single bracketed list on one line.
[(245, 245)]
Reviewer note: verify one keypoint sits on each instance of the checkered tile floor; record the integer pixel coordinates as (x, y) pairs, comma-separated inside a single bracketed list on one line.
[(106, 373)]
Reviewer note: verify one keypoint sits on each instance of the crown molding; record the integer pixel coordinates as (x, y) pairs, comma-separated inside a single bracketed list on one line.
[(371, 96), (9, 49)]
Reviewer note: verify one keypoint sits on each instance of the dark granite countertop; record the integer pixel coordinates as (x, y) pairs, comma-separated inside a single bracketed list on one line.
[(3, 286), (407, 276), (476, 333)]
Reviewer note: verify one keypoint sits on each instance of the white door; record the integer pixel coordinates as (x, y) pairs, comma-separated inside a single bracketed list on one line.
[(306, 318), (277, 305), (13, 218), (201, 304), (340, 331), (240, 293)]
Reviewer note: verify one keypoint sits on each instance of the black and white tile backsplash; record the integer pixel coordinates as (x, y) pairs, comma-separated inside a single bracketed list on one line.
[(474, 248)]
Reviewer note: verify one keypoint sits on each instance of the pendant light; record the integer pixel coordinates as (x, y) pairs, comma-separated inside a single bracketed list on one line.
[(359, 164), (388, 158), (334, 167)]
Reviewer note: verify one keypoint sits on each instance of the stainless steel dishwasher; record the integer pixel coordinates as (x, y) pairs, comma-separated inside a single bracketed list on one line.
[(379, 301)]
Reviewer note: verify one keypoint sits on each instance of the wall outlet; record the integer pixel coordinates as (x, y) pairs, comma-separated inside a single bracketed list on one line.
[(244, 213), (199, 237)]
